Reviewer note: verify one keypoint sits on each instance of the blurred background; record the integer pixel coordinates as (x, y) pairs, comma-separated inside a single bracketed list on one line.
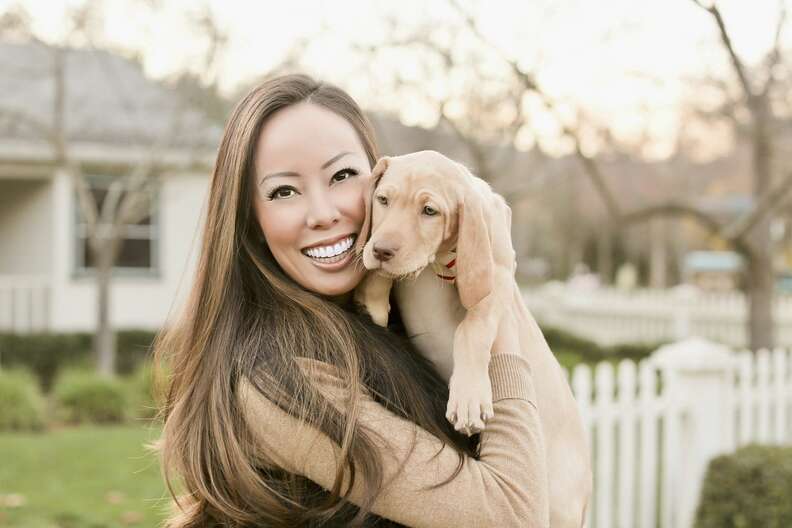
[(644, 147)]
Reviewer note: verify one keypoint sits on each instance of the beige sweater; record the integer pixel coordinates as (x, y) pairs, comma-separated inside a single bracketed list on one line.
[(506, 487)]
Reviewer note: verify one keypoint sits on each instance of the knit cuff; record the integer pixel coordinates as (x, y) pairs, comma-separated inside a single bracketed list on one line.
[(511, 377)]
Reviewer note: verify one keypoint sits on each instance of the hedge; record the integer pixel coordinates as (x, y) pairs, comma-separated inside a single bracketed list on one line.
[(85, 396), (570, 349), (47, 353), (141, 392), (751, 487), (21, 402)]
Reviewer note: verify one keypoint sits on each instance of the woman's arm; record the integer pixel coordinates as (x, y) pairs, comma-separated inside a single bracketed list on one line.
[(507, 486)]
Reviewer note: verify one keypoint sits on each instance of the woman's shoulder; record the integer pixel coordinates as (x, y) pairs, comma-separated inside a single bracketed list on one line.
[(280, 438), (325, 377)]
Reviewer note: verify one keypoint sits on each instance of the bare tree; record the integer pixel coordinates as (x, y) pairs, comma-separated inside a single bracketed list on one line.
[(748, 234)]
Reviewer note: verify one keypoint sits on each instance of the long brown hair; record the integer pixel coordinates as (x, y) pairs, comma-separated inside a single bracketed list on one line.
[(245, 317)]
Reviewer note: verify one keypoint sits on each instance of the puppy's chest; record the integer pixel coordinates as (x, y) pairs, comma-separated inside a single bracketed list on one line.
[(431, 311)]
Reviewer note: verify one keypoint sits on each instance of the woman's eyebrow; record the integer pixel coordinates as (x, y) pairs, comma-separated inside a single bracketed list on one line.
[(293, 174)]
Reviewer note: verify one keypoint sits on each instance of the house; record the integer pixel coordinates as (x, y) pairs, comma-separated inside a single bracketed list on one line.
[(713, 270), (110, 117)]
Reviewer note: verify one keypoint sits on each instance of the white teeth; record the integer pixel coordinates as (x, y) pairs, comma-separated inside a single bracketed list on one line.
[(331, 251)]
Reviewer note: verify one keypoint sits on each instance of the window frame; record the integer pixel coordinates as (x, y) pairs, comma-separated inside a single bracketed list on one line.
[(152, 233)]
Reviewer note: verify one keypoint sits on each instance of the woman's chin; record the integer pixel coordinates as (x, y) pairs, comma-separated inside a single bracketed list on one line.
[(339, 286)]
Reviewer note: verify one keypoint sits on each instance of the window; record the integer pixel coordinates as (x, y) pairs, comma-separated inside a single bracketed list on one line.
[(138, 254)]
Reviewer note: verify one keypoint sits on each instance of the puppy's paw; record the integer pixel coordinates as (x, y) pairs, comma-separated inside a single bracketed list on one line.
[(469, 402), (379, 314)]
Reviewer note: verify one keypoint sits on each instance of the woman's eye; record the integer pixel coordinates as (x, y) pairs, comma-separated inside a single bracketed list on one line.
[(280, 192), (381, 199), (429, 210), (347, 172)]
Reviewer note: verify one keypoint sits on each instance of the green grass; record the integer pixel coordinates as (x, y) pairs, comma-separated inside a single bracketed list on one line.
[(86, 477)]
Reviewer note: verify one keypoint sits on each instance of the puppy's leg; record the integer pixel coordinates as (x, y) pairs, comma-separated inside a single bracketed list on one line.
[(470, 390), (373, 294)]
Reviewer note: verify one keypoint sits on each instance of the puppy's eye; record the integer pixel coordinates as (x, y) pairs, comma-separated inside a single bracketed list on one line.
[(381, 199), (429, 210)]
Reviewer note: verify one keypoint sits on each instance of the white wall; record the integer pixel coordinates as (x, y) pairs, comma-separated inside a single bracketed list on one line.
[(135, 302), (25, 219)]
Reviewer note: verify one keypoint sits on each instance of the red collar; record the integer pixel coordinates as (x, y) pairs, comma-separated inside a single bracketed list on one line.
[(444, 266)]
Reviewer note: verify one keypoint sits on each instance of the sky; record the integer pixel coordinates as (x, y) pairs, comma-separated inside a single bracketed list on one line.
[(626, 63)]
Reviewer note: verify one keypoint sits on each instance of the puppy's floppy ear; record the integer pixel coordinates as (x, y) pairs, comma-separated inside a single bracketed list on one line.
[(368, 195), (475, 265)]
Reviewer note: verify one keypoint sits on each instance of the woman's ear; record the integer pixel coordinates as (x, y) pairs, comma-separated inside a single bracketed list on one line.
[(475, 264), (368, 195)]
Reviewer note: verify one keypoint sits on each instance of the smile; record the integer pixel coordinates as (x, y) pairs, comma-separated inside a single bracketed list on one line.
[(331, 253)]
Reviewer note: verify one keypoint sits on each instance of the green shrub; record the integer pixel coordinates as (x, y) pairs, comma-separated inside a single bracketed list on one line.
[(568, 358), (46, 353), (133, 349), (570, 349), (634, 351), (141, 392), (748, 488), (85, 396), (21, 403)]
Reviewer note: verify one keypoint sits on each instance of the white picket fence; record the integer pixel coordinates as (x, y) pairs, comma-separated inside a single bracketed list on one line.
[(611, 316), (655, 426), (24, 303)]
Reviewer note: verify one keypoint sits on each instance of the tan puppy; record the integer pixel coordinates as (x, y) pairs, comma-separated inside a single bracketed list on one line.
[(434, 225)]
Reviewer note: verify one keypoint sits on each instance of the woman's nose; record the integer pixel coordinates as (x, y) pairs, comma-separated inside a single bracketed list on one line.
[(322, 212)]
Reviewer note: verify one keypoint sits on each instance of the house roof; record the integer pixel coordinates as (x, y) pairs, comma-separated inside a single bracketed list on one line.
[(108, 101)]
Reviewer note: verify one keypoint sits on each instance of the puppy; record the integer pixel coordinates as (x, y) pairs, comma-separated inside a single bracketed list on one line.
[(441, 238)]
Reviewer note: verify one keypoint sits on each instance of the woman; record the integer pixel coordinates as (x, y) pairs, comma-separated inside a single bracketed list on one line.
[(284, 406)]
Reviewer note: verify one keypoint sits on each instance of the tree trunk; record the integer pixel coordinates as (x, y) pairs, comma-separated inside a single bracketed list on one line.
[(104, 338), (573, 255), (760, 274), (605, 253), (760, 299), (657, 253)]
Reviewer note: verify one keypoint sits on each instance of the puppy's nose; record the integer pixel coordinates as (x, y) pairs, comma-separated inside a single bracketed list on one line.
[(384, 252)]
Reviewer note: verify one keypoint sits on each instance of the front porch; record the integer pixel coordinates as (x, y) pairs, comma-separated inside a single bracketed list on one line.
[(26, 249), (24, 303)]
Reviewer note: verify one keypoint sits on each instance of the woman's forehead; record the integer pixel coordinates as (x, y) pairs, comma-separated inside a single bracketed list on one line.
[(306, 135)]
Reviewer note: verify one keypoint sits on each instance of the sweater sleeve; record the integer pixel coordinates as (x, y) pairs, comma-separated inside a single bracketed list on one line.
[(506, 486)]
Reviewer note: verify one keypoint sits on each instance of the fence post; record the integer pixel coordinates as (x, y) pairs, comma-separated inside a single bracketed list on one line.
[(697, 377), (683, 296)]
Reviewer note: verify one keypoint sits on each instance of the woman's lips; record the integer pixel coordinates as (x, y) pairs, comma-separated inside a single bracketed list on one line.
[(330, 264), (332, 242)]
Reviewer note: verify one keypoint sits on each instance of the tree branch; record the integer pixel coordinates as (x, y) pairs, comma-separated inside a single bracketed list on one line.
[(774, 57), (739, 68), (87, 204), (770, 200), (673, 208)]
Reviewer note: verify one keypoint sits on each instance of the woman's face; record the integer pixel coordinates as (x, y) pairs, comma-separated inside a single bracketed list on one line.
[(311, 172)]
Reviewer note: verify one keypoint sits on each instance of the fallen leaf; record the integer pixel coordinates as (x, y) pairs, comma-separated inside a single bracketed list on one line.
[(131, 517), (115, 497), (13, 500)]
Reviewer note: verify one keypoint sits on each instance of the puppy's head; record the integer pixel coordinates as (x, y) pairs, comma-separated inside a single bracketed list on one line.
[(422, 204)]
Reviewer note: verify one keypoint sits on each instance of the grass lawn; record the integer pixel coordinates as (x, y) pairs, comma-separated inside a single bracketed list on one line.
[(86, 477)]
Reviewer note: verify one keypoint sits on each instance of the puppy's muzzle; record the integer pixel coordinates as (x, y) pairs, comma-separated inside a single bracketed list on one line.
[(384, 251)]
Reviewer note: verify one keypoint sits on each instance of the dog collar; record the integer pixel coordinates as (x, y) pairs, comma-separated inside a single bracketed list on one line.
[(444, 266)]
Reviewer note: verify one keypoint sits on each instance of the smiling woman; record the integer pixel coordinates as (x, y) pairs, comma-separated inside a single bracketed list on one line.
[(311, 214), (285, 407)]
